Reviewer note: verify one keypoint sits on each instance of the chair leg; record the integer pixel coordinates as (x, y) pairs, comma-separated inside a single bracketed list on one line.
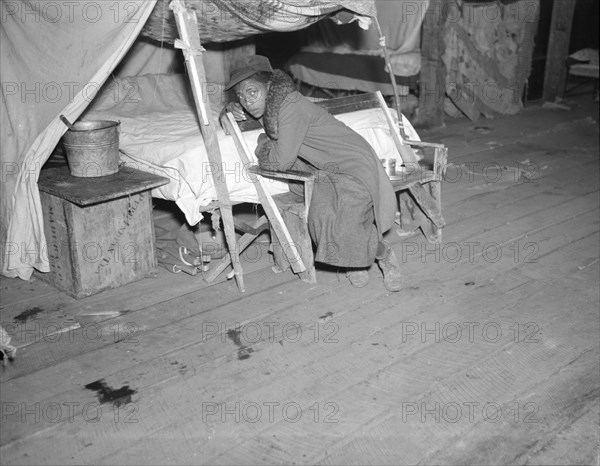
[(296, 224), (406, 219), (428, 198), (420, 207)]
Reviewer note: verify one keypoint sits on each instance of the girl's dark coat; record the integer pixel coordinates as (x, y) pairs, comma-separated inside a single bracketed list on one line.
[(353, 201)]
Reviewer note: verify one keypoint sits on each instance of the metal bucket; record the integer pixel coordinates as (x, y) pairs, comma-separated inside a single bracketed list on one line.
[(92, 148)]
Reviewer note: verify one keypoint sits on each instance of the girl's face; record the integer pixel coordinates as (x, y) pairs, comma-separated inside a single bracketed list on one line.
[(252, 95)]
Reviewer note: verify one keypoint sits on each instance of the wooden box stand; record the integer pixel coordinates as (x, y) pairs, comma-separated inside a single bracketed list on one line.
[(100, 231)]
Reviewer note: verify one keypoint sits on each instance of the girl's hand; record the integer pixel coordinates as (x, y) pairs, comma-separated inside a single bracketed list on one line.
[(237, 110), (263, 149)]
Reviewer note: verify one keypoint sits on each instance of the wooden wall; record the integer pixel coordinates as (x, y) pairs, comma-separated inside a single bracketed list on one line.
[(558, 49)]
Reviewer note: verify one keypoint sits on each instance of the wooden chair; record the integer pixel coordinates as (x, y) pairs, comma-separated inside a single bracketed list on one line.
[(417, 186), (418, 183)]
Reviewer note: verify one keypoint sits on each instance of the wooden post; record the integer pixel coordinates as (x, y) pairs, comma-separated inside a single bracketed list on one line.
[(433, 71), (187, 25), (558, 49)]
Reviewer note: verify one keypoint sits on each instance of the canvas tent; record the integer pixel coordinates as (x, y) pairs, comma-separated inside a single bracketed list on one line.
[(55, 57)]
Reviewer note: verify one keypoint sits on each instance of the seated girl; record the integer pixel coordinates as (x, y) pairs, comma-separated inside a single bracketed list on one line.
[(353, 201)]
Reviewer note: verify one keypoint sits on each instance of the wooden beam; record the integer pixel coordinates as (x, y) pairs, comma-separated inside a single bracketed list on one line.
[(558, 49), (187, 25), (225, 261), (267, 202), (433, 71)]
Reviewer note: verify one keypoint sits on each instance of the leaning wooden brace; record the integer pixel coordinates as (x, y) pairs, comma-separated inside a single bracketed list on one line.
[(187, 25)]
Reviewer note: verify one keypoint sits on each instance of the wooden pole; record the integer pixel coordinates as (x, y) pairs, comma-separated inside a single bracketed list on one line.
[(267, 202), (187, 25), (390, 70), (409, 158), (558, 49), (432, 88)]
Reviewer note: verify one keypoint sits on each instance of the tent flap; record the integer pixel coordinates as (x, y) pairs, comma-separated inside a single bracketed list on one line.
[(55, 57)]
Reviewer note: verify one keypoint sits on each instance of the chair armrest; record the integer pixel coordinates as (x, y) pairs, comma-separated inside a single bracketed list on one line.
[(424, 144), (440, 156), (307, 178), (286, 174)]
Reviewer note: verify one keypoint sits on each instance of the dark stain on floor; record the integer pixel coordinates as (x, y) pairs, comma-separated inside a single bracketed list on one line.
[(28, 314), (243, 351), (116, 396)]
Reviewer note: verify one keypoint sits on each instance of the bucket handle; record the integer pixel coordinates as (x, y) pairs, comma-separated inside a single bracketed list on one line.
[(67, 122)]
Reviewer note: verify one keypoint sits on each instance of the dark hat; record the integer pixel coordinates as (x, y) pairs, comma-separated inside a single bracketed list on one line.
[(248, 67)]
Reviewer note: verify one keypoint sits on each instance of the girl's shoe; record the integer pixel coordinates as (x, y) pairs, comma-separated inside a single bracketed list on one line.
[(358, 278), (392, 278)]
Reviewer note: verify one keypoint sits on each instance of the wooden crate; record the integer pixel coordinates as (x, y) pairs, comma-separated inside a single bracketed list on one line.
[(100, 231)]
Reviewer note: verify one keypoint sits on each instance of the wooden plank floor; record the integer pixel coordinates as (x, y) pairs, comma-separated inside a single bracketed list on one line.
[(489, 355)]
